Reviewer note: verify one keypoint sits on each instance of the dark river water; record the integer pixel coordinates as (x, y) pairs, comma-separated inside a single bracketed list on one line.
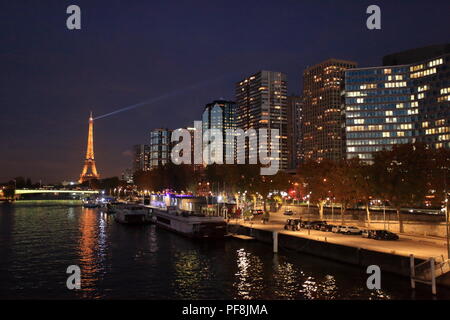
[(39, 240)]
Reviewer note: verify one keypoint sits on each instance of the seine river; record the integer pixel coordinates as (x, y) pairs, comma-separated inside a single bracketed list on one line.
[(39, 240)]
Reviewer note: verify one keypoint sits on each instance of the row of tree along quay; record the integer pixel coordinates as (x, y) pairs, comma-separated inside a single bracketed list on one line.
[(409, 175), (227, 179)]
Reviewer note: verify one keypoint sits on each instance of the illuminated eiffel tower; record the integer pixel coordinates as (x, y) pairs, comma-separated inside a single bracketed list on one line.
[(89, 169)]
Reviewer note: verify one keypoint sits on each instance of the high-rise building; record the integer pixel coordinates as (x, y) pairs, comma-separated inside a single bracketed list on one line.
[(141, 157), (261, 102), (322, 112), (160, 147), (294, 108), (405, 102), (221, 115), (127, 176)]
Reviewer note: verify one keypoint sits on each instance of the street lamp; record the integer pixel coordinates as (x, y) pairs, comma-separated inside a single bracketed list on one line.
[(446, 225), (332, 209)]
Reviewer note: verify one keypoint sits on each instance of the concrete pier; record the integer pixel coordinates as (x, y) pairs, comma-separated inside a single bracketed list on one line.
[(353, 250)]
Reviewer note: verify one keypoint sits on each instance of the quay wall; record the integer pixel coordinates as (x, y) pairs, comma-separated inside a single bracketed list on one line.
[(388, 262), (391, 263)]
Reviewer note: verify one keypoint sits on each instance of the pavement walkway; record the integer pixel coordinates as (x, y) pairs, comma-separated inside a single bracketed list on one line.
[(420, 247)]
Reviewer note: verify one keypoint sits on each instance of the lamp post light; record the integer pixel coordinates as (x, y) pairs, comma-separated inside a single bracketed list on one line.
[(446, 211), (446, 225), (332, 209)]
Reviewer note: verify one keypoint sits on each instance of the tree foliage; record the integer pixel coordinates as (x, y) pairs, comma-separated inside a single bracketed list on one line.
[(402, 175)]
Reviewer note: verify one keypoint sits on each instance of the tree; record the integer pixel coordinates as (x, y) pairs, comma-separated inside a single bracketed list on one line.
[(439, 185), (9, 192), (364, 185), (109, 183), (401, 176), (439, 182), (315, 176), (343, 183), (266, 184), (169, 176), (240, 178)]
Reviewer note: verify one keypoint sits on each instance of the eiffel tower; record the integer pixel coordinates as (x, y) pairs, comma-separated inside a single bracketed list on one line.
[(89, 169)]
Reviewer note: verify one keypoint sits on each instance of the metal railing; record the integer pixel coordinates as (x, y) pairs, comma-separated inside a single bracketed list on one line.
[(428, 270)]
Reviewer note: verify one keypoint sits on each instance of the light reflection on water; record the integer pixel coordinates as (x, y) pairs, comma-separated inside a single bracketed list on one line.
[(248, 282), (39, 242), (191, 274)]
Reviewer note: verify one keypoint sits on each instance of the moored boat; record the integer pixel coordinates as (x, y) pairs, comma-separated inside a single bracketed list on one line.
[(90, 204), (111, 207), (190, 216), (132, 214)]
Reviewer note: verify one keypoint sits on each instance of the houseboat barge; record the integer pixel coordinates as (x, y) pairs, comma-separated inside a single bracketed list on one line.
[(191, 216)]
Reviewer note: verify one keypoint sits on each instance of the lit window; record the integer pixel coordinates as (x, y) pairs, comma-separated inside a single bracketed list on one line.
[(435, 62), (445, 90)]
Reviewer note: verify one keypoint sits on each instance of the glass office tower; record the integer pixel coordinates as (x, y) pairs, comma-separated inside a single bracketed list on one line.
[(322, 127), (160, 147), (221, 115), (397, 104), (379, 110), (294, 138), (141, 157), (261, 102)]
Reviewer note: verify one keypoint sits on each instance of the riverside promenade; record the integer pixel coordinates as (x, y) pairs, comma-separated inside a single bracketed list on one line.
[(390, 256), (420, 247)]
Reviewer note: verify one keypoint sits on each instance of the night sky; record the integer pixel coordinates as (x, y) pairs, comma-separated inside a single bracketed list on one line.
[(131, 51)]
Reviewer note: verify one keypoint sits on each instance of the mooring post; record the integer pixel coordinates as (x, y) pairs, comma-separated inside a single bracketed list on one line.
[(275, 242), (433, 276), (412, 270)]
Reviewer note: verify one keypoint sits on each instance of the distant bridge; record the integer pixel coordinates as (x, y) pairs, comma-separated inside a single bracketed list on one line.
[(20, 192), (38, 191)]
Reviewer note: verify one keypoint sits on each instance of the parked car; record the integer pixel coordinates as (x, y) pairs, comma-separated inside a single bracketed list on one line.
[(318, 225), (349, 230), (310, 224), (306, 224), (258, 212), (326, 227), (336, 229), (289, 213), (292, 224), (382, 235), (365, 233)]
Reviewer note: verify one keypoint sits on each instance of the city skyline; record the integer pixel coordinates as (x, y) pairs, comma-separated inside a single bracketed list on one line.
[(44, 130), (225, 158)]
